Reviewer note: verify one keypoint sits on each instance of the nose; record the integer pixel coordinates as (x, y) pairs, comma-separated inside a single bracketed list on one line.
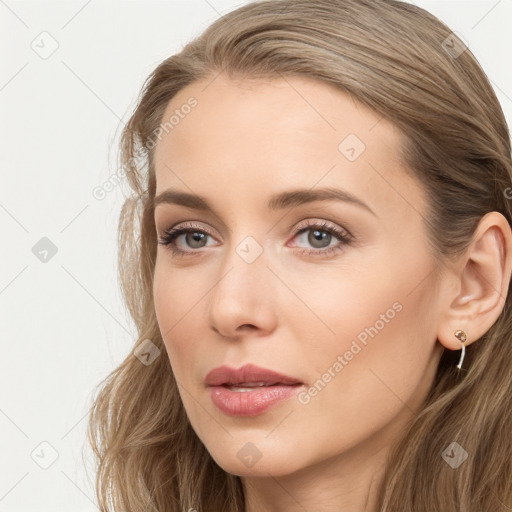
[(243, 298)]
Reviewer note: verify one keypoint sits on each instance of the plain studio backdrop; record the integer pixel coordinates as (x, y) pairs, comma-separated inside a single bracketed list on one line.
[(70, 75)]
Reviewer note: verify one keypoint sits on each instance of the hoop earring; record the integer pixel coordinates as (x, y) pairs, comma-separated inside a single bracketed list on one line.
[(461, 335)]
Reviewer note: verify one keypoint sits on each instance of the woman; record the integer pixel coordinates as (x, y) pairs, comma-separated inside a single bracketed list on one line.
[(317, 255)]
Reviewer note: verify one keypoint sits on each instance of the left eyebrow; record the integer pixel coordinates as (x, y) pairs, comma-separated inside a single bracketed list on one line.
[(302, 196), (278, 201)]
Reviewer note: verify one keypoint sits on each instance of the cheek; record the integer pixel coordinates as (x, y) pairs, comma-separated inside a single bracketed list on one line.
[(371, 309), (175, 292), (174, 301), (353, 303), (180, 297), (376, 352)]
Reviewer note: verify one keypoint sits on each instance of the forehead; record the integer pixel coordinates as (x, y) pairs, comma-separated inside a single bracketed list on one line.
[(263, 135)]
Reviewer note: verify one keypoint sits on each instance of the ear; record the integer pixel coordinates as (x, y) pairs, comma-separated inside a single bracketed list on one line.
[(478, 283)]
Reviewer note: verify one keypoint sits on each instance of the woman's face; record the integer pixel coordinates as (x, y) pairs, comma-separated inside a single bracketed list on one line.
[(337, 294)]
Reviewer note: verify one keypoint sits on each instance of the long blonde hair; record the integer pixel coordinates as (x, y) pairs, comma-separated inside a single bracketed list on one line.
[(399, 60)]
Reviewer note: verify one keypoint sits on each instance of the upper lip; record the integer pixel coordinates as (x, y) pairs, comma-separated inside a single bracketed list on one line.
[(247, 373)]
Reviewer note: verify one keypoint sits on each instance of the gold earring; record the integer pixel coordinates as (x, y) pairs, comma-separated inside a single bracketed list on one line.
[(461, 335)]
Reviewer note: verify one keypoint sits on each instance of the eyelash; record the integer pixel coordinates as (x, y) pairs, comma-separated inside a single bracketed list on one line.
[(343, 236)]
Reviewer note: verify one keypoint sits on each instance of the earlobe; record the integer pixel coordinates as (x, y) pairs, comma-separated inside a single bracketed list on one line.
[(482, 277)]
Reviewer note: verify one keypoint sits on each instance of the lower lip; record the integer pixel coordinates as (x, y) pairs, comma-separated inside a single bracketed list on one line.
[(250, 403)]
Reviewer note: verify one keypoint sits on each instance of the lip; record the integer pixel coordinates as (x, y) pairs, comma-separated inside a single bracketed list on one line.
[(224, 375), (277, 388)]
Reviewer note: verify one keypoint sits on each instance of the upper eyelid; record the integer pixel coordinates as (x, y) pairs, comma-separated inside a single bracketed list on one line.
[(301, 225), (324, 224), (190, 226), (338, 231)]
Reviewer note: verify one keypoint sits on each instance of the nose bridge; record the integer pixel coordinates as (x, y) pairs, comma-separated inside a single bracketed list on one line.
[(243, 294), (243, 268)]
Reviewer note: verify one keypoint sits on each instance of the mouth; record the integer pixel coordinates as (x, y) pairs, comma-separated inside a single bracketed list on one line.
[(249, 390)]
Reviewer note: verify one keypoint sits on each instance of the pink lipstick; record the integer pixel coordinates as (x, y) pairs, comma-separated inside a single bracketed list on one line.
[(249, 390)]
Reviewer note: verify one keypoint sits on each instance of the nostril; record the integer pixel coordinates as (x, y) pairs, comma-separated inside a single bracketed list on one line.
[(247, 327)]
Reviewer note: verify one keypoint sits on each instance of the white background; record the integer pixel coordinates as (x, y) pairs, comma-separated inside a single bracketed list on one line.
[(63, 323)]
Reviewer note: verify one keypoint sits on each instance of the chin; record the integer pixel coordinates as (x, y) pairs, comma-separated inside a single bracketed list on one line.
[(247, 462)]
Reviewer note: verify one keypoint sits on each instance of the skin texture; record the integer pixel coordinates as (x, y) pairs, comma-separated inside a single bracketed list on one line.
[(295, 312)]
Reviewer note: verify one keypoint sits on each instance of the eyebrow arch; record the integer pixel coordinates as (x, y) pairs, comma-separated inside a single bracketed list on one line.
[(278, 201)]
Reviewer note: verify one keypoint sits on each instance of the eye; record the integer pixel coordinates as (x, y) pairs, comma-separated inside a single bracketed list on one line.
[(320, 236), (194, 237)]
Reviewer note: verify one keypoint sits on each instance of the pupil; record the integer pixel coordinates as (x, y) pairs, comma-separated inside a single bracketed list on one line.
[(196, 237)]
